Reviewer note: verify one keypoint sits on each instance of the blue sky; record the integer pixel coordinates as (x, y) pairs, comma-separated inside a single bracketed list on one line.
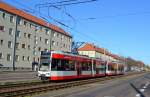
[(121, 26)]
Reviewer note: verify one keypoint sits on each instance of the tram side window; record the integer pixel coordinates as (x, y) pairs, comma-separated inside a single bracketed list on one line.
[(94, 65), (55, 64), (62, 65), (72, 65), (110, 67), (89, 65), (86, 66), (102, 68), (68, 65), (121, 68)]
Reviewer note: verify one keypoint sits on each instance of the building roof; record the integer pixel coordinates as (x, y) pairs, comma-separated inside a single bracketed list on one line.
[(91, 47), (115, 56), (21, 13)]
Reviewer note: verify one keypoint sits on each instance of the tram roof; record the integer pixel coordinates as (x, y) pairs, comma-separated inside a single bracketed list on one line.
[(71, 54)]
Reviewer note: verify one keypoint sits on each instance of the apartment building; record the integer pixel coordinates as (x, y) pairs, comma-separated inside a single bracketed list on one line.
[(23, 36)]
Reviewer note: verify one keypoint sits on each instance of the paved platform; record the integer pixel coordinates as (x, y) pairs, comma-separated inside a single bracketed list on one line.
[(17, 76)]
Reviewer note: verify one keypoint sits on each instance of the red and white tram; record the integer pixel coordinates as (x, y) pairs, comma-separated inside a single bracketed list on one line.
[(57, 65)]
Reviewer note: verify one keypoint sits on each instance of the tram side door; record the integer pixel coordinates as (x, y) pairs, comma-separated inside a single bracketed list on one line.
[(97, 70), (78, 68), (97, 67)]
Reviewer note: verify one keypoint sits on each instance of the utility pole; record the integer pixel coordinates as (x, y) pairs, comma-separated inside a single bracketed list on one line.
[(51, 40), (14, 52)]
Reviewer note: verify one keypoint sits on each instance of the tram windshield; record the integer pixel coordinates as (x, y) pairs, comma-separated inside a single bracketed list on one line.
[(44, 61), (44, 67)]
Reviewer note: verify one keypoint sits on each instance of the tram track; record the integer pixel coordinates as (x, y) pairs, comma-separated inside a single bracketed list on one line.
[(30, 89)]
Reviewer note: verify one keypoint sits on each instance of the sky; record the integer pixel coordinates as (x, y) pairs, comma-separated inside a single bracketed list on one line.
[(121, 26)]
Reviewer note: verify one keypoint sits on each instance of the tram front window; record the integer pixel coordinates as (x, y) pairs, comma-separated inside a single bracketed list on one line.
[(44, 67)]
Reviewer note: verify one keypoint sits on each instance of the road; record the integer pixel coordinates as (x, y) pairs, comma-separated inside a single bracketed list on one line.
[(135, 86)]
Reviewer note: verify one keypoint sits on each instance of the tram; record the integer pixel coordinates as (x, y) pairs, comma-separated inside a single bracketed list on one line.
[(56, 65)]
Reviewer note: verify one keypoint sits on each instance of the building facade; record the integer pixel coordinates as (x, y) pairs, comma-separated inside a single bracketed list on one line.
[(23, 37), (96, 52)]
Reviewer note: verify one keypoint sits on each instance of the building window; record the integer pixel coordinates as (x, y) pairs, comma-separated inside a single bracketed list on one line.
[(8, 57), (23, 58), (70, 47), (38, 59), (46, 41), (54, 34), (53, 43), (57, 43), (69, 39), (25, 23), (33, 58), (40, 38), (17, 45), (36, 38), (29, 47), (29, 36), (66, 38), (10, 31), (2, 28), (62, 37), (36, 28), (28, 58), (41, 28), (18, 33), (64, 45), (34, 52), (57, 35), (4, 15), (47, 31), (30, 25), (17, 58), (1, 55), (11, 19), (45, 49), (23, 46), (25, 35), (39, 49), (1, 42), (19, 21), (9, 44), (36, 42)]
